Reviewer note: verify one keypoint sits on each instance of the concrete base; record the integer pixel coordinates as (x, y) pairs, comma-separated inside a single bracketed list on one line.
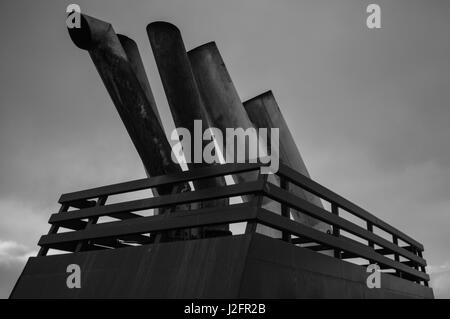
[(244, 266)]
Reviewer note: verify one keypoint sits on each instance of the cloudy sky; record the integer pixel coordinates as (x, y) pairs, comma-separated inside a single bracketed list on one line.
[(370, 109)]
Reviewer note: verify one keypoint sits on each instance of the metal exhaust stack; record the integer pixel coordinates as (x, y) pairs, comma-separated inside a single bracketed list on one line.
[(182, 94), (263, 111), (128, 87), (224, 107), (134, 58), (219, 95)]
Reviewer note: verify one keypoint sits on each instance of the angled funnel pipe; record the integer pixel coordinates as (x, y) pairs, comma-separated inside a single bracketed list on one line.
[(225, 109), (263, 111), (91, 34), (178, 80), (131, 96), (131, 49), (221, 100), (182, 94)]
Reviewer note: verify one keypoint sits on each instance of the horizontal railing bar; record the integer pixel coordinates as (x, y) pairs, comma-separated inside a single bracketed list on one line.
[(116, 242), (285, 197), (123, 215), (108, 242), (103, 242), (409, 277), (80, 204), (318, 247), (174, 220), (283, 224), (68, 247), (145, 183), (73, 224), (77, 224), (409, 263), (382, 267), (298, 241), (323, 192), (166, 200), (381, 251)]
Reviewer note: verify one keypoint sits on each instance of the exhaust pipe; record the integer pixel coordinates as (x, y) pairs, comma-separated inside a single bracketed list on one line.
[(184, 99), (263, 111), (124, 77), (225, 110)]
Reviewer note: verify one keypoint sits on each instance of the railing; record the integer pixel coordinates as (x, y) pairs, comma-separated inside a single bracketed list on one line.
[(86, 233)]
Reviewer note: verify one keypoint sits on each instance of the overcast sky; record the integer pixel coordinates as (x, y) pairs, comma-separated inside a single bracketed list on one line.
[(369, 109)]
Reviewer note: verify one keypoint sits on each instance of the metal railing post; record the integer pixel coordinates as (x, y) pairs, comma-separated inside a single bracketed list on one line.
[(92, 221), (53, 229), (336, 230), (285, 211), (422, 268), (257, 202), (396, 256), (370, 243)]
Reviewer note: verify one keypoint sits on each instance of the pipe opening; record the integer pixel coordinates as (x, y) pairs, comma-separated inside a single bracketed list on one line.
[(81, 37)]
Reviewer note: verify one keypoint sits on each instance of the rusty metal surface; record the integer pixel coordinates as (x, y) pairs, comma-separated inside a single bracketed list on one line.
[(134, 57), (225, 109), (221, 100), (129, 92), (179, 84), (181, 90)]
